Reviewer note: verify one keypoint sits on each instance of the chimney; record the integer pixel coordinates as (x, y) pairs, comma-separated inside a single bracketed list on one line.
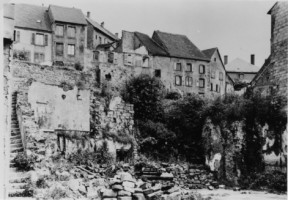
[(102, 24), (225, 60), (88, 14), (116, 34), (252, 59)]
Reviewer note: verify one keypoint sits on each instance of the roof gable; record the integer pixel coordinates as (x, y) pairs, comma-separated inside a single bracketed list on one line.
[(102, 29), (239, 65), (152, 47), (68, 15), (32, 17), (178, 46), (209, 52)]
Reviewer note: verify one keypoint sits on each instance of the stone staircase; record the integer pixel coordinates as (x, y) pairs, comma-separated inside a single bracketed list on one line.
[(17, 179)]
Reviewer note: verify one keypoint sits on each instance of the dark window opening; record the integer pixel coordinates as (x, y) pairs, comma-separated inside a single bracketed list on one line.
[(157, 73), (201, 83), (59, 49), (189, 81), (201, 69), (96, 55), (216, 87), (110, 57), (108, 77), (211, 86), (63, 96)]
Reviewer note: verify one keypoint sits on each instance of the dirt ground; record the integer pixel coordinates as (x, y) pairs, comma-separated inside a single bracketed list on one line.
[(222, 194)]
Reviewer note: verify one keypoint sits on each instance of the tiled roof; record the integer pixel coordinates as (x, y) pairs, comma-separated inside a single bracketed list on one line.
[(102, 29), (26, 16), (8, 11), (239, 65), (68, 15), (152, 47), (178, 46), (209, 52)]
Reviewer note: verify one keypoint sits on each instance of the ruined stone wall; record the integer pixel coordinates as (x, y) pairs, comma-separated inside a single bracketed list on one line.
[(279, 45), (223, 151), (274, 75)]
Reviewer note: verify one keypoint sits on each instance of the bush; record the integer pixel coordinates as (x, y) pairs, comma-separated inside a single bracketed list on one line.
[(173, 96), (24, 162), (78, 66), (57, 194), (146, 93)]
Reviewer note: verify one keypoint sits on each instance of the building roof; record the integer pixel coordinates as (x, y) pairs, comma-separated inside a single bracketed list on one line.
[(68, 15), (8, 11), (152, 47), (267, 64), (102, 29), (239, 65), (209, 52), (178, 46), (32, 17)]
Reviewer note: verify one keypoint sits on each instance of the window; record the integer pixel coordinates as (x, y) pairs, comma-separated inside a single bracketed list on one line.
[(110, 57), (241, 76), (201, 82), (96, 55), (128, 59), (189, 67), (96, 37), (71, 32), (178, 67), (71, 49), (17, 36), (215, 59), (189, 81), (157, 73), (100, 40), (178, 80), (39, 57), (59, 49), (211, 87), (59, 30), (213, 74), (39, 39), (220, 76), (201, 69), (216, 87)]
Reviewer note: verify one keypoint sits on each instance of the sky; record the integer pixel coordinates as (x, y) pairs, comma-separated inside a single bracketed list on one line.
[(237, 28)]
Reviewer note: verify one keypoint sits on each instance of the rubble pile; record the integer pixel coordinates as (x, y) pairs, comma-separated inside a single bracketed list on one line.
[(140, 181)]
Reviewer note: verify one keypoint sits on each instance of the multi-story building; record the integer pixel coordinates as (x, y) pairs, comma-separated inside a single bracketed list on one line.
[(69, 34), (97, 34), (273, 74), (217, 72), (173, 58), (33, 34), (240, 70)]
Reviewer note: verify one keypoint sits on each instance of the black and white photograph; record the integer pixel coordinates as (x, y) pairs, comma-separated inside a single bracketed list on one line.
[(143, 100)]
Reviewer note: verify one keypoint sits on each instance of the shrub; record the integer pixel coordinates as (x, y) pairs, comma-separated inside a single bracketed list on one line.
[(41, 183), (146, 93), (78, 66), (173, 95), (24, 162), (56, 193)]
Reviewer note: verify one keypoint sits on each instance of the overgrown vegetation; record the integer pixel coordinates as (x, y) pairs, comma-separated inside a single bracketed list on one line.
[(24, 162), (174, 124)]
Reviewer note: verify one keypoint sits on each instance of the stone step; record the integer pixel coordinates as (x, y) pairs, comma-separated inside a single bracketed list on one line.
[(15, 137), (17, 145), (18, 149), (16, 141), (13, 170), (15, 191), (22, 179), (18, 185)]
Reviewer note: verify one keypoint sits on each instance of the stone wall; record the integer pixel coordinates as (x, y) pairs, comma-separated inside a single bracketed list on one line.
[(223, 150), (53, 97), (273, 76)]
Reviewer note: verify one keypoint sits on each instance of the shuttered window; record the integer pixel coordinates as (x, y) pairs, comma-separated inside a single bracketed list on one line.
[(201, 69), (39, 39)]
